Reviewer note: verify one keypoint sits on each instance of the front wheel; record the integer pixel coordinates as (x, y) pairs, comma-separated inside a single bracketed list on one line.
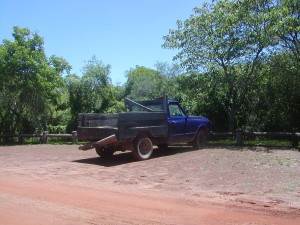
[(200, 140), (143, 148)]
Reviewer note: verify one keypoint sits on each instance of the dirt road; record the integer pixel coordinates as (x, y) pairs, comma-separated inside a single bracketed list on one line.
[(48, 184)]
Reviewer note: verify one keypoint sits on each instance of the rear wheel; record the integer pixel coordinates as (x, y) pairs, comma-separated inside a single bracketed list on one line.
[(200, 140), (143, 148), (105, 152)]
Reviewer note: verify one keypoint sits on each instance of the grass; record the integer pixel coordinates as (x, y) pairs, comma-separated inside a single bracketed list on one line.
[(271, 143)]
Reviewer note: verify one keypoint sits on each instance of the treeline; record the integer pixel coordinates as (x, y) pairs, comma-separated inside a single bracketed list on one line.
[(239, 66)]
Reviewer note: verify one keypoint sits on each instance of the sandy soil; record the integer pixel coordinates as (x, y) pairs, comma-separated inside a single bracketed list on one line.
[(49, 184)]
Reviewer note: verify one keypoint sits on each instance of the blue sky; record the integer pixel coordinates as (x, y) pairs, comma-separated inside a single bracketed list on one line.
[(122, 33)]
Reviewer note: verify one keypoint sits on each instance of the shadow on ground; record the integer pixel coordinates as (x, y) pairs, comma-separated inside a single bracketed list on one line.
[(127, 157)]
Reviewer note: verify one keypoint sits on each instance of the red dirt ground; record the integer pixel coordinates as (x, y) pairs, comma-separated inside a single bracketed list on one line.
[(58, 184)]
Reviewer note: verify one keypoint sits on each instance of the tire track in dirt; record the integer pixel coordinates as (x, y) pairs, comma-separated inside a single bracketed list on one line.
[(40, 202), (46, 184)]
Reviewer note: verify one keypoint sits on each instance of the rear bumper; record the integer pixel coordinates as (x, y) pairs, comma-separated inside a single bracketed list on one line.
[(101, 143)]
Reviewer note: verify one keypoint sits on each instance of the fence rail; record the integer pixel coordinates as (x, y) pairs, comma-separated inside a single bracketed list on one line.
[(43, 138), (239, 136)]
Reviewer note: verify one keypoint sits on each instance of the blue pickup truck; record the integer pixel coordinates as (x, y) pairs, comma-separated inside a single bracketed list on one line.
[(159, 122)]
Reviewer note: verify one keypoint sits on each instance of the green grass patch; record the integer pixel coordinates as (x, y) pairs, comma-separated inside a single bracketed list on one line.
[(272, 143)]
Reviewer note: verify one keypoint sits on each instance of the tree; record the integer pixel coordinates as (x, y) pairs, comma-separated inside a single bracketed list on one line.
[(96, 84), (29, 82), (167, 70), (281, 93), (144, 83), (93, 92), (288, 25), (228, 38), (170, 73)]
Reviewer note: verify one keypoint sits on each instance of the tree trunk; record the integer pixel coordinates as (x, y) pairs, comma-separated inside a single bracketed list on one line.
[(233, 111)]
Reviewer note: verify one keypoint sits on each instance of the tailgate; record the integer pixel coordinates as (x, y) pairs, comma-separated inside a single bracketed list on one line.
[(93, 127)]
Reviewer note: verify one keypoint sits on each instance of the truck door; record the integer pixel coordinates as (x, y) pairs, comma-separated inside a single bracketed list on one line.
[(177, 123)]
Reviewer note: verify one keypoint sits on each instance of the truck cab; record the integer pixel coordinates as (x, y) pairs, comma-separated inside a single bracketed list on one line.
[(183, 127)]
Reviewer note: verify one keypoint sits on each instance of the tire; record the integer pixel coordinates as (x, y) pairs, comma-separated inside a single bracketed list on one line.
[(200, 140), (105, 153), (143, 148)]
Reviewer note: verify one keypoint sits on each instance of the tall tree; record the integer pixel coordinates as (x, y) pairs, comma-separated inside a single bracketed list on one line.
[(168, 70), (288, 25), (96, 84), (144, 83), (230, 38), (170, 73), (29, 82), (91, 93)]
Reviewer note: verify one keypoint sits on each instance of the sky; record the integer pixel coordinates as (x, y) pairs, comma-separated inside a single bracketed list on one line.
[(122, 33)]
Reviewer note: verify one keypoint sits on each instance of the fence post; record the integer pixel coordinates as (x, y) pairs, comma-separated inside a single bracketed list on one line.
[(20, 139), (74, 137), (295, 140), (45, 137), (239, 136)]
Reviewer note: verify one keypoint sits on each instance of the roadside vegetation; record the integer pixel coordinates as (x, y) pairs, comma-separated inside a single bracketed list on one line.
[(238, 63)]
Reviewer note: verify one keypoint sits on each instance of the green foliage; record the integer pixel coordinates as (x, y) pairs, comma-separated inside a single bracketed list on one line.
[(288, 26), (226, 45), (96, 86), (29, 83), (58, 129), (281, 93), (93, 92), (144, 83), (170, 73), (202, 95), (239, 66)]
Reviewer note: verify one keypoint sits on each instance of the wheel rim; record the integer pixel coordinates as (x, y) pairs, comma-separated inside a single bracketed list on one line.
[(145, 147)]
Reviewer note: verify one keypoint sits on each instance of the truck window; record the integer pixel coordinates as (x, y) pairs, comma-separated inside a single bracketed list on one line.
[(175, 110)]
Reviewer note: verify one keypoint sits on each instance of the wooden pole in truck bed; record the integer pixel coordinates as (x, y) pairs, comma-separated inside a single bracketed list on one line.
[(130, 102), (105, 141)]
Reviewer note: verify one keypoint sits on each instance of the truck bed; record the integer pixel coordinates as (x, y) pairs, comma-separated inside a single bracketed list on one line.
[(96, 126), (126, 126)]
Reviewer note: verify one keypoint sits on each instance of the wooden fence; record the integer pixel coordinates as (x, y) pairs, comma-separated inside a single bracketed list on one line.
[(239, 136), (43, 138)]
